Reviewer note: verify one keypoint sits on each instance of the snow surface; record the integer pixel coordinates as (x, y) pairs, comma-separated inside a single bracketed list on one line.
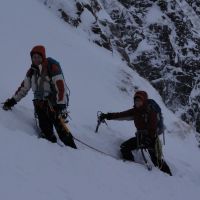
[(33, 168), (154, 15)]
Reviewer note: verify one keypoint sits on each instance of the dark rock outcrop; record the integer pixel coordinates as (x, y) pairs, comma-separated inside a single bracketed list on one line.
[(157, 38)]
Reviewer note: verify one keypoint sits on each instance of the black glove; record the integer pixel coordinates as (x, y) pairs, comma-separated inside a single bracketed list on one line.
[(9, 104), (61, 111), (102, 117), (63, 114)]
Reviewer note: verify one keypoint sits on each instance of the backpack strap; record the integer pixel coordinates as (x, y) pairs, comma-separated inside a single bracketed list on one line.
[(153, 106), (51, 62)]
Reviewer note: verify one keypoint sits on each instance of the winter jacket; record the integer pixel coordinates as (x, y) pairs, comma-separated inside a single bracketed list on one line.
[(144, 118), (43, 86)]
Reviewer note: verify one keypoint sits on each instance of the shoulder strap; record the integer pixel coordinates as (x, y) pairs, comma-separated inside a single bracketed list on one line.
[(152, 105), (52, 61)]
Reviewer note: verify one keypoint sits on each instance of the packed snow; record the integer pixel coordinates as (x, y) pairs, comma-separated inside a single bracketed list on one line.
[(33, 168)]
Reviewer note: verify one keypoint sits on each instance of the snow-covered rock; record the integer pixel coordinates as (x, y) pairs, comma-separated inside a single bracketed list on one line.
[(159, 39)]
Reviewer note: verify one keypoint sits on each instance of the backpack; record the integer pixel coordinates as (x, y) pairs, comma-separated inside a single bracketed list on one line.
[(51, 62), (152, 105)]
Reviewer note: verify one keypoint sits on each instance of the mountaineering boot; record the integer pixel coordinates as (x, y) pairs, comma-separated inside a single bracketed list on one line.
[(165, 168), (68, 140)]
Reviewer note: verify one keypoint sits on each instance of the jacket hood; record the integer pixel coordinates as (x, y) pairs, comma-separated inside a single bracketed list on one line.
[(142, 95), (39, 49)]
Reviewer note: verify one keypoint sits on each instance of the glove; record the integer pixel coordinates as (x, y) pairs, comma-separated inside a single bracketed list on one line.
[(61, 111), (102, 117), (63, 114), (9, 104)]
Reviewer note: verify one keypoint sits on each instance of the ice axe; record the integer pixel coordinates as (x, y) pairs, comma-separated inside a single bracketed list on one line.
[(99, 121)]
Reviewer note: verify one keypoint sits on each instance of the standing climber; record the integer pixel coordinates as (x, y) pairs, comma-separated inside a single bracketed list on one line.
[(46, 79)]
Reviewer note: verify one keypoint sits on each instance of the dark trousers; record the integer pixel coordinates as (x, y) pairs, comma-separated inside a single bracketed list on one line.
[(132, 144), (47, 121)]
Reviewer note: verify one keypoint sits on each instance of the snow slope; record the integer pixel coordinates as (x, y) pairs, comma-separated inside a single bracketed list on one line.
[(32, 168)]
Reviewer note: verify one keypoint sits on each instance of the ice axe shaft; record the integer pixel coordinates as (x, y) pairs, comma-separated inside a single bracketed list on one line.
[(99, 121)]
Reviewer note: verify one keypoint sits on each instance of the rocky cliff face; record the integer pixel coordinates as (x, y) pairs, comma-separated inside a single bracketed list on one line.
[(160, 39)]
